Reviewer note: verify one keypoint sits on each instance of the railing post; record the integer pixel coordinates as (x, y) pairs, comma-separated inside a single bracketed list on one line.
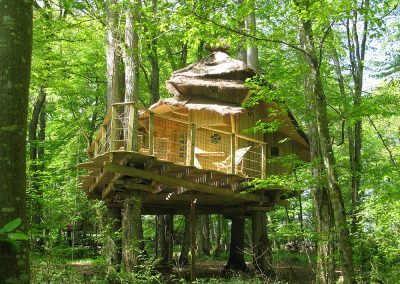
[(131, 119), (103, 138), (233, 150), (113, 129), (96, 148), (151, 133), (263, 161)]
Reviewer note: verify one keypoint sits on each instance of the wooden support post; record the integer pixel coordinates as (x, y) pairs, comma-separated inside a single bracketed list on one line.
[(151, 133), (233, 149), (113, 122), (131, 141), (263, 161), (192, 143), (192, 229)]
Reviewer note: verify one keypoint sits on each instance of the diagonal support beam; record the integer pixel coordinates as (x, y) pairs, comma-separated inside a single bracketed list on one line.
[(200, 187)]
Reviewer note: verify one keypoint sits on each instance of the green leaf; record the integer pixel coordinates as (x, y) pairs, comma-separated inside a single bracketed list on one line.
[(17, 236), (12, 225)]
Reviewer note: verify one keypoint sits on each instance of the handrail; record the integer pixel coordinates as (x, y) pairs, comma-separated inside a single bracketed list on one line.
[(141, 107)]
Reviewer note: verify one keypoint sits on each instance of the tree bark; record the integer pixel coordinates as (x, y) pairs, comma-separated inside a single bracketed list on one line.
[(184, 255), (166, 234), (335, 193), (218, 237), (153, 58), (15, 53), (112, 53), (241, 50), (262, 253), (132, 232), (252, 50), (236, 252), (114, 244)]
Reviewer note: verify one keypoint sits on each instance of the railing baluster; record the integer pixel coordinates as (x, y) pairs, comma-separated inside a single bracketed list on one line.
[(233, 150), (113, 122), (192, 143)]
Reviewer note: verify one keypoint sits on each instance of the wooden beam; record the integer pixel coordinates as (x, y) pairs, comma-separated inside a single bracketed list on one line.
[(200, 187), (129, 141), (132, 184), (263, 161), (113, 135), (192, 143)]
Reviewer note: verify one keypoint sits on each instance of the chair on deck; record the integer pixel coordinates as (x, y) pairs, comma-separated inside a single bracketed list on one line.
[(225, 165)]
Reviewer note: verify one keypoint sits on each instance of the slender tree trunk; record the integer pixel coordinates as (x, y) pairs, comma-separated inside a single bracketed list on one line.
[(153, 58), (166, 239), (252, 51), (262, 253), (15, 52), (241, 50), (184, 256), (236, 252), (218, 236), (335, 193), (112, 53)]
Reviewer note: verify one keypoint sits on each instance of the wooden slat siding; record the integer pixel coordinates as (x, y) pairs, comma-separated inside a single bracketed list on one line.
[(151, 133), (131, 119), (233, 149)]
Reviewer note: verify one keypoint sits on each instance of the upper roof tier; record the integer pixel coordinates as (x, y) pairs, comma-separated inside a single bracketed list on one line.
[(217, 76)]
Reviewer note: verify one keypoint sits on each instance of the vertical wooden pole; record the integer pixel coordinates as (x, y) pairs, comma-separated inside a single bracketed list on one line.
[(233, 150), (263, 161), (129, 141), (151, 133), (103, 138), (192, 143), (192, 228), (113, 122)]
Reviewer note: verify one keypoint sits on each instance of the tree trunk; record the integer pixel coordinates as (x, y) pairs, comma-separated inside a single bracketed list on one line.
[(335, 193), (241, 50), (184, 256), (112, 53), (15, 52), (166, 239), (236, 252), (132, 232), (153, 58), (252, 51), (262, 257), (218, 236), (113, 244)]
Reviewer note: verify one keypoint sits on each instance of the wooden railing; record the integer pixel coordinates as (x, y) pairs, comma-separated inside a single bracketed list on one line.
[(132, 128)]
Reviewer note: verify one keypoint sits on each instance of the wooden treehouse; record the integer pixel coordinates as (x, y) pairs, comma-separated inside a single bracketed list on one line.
[(192, 148)]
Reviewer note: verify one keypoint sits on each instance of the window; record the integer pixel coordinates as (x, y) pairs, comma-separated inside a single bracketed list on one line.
[(274, 151)]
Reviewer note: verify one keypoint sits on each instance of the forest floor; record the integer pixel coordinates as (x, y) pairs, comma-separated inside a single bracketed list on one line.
[(55, 270)]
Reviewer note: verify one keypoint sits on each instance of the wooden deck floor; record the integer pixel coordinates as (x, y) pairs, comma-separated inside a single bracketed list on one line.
[(168, 188)]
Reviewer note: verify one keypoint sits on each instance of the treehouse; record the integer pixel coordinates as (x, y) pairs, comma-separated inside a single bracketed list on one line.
[(193, 147)]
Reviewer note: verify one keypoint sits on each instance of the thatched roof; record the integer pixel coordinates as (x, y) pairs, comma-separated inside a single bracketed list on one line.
[(196, 103), (217, 76)]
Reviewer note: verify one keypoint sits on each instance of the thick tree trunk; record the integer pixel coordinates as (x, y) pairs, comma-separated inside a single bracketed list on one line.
[(262, 253), (236, 252), (15, 52), (203, 234), (153, 58), (132, 232), (112, 53)]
